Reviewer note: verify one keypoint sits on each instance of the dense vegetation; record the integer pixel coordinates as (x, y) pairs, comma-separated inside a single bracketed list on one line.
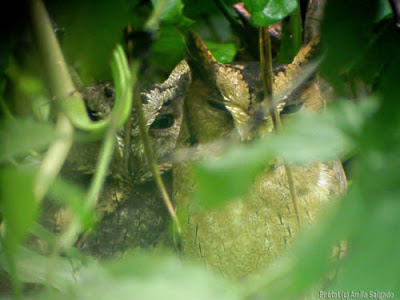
[(360, 48)]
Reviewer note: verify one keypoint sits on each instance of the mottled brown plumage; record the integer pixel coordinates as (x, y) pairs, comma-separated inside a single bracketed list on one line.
[(222, 101), (130, 208)]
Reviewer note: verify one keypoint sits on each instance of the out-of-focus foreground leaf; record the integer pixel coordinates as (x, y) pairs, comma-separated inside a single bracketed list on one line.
[(219, 180), (21, 136), (18, 208), (90, 30), (141, 276), (168, 12)]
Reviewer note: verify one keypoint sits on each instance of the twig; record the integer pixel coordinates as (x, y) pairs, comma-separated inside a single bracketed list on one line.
[(267, 76), (150, 156)]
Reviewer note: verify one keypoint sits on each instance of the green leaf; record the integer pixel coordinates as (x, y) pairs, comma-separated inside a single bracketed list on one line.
[(218, 181), (310, 258), (18, 207), (168, 50), (36, 268), (17, 204), (141, 276), (384, 10), (224, 53), (291, 40), (355, 31), (168, 12), (90, 30), (267, 12), (307, 138), (21, 136)]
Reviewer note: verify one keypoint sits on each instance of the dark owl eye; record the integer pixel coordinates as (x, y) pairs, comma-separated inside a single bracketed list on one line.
[(218, 105), (163, 122), (291, 108)]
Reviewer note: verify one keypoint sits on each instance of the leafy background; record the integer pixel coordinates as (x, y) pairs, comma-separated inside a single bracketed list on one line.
[(361, 62)]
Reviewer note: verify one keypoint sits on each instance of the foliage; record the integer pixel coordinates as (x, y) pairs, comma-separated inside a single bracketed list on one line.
[(360, 47), (267, 12)]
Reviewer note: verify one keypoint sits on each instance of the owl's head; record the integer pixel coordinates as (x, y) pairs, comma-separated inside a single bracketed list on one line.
[(162, 106), (228, 99)]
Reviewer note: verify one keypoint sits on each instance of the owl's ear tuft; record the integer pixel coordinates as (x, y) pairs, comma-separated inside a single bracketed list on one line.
[(199, 58)]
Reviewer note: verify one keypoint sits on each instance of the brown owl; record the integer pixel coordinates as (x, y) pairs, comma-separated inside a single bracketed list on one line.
[(131, 211), (222, 102)]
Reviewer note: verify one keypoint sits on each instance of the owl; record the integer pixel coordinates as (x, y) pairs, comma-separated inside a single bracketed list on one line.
[(130, 210), (223, 102)]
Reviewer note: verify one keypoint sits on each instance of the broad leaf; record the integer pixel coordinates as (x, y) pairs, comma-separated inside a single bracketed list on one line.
[(224, 53), (168, 12), (266, 12), (305, 139), (22, 136)]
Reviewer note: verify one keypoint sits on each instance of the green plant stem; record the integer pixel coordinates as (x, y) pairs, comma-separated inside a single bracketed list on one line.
[(61, 84), (61, 87), (151, 159), (267, 77), (106, 154), (12, 270), (124, 81), (59, 79)]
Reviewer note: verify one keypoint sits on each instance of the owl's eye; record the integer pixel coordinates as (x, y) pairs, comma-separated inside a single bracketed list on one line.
[(163, 122), (292, 108), (218, 105)]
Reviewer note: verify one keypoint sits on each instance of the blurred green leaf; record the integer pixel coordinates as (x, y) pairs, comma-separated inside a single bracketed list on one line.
[(17, 204), (57, 272), (350, 22), (228, 177), (291, 40), (167, 51), (384, 10), (18, 207), (224, 53), (267, 12), (21, 136), (309, 260), (90, 30), (141, 276), (374, 243), (168, 12), (218, 181)]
